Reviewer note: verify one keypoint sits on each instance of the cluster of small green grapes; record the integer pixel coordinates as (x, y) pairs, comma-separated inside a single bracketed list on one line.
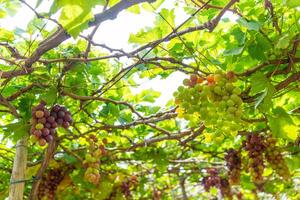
[(214, 100), (92, 160), (275, 158)]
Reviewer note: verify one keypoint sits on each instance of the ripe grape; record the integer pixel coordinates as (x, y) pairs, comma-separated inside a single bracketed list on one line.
[(61, 114), (42, 142), (37, 133), (39, 114), (51, 119)]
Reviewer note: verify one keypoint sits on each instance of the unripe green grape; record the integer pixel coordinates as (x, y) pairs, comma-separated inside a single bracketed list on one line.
[(186, 82), (238, 113), (230, 103), (236, 91), (218, 90), (39, 126), (180, 88), (225, 97), (235, 98), (231, 109), (229, 87)]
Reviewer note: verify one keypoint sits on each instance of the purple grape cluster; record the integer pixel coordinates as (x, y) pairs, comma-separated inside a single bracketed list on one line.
[(61, 116), (43, 126), (234, 165), (44, 122), (255, 146), (49, 184)]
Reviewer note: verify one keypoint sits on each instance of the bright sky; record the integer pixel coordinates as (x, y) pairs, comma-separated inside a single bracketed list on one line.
[(115, 34)]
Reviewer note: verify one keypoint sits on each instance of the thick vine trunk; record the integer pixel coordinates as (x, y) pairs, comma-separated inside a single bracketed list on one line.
[(17, 184)]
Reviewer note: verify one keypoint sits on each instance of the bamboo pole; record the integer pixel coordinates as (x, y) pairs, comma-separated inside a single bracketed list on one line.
[(17, 181)]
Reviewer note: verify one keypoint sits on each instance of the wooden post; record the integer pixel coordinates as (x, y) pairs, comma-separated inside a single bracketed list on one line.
[(17, 184)]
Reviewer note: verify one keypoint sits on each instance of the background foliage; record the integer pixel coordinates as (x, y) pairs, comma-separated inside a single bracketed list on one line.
[(167, 154)]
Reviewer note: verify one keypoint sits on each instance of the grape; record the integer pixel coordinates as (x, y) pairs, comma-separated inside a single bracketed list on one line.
[(61, 114), (49, 138), (39, 114), (42, 120), (48, 125), (52, 131), (53, 114), (56, 108), (65, 125), (42, 142), (51, 119), (39, 126), (46, 113), (54, 125), (45, 132), (37, 133), (59, 121)]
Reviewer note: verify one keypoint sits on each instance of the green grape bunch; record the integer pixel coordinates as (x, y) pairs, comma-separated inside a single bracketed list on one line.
[(214, 100)]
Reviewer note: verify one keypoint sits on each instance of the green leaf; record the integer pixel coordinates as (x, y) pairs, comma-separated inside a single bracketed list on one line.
[(17, 130), (291, 3), (282, 125), (75, 17), (148, 95), (234, 51), (50, 96), (6, 35), (250, 25), (258, 83), (283, 42), (261, 84)]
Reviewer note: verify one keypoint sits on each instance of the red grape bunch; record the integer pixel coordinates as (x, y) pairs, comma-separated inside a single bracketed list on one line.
[(234, 165), (127, 185), (42, 124), (212, 180), (255, 146), (49, 184), (62, 116), (275, 158)]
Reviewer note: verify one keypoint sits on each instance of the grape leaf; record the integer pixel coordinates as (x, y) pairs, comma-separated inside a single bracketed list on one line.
[(282, 125)]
